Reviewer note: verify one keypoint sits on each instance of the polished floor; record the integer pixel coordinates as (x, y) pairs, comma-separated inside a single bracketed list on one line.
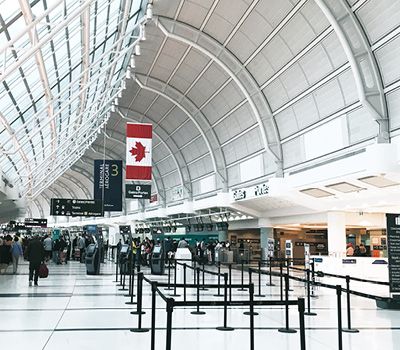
[(70, 310)]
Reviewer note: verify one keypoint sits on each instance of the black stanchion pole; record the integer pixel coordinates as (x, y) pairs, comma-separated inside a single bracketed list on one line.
[(287, 329), (242, 277), (309, 313), (139, 311), (184, 282), (203, 274), (116, 269), (198, 312), (175, 293), (120, 273), (230, 282), (288, 273), (301, 323), (339, 313), (259, 281), (170, 309), (313, 278), (153, 315), (131, 285), (139, 295), (252, 313), (169, 275), (251, 297), (349, 329), (130, 292), (270, 272), (219, 281), (123, 278), (281, 278), (225, 326)]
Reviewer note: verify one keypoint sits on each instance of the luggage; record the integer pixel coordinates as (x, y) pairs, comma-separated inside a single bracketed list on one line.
[(77, 254), (63, 257), (43, 271)]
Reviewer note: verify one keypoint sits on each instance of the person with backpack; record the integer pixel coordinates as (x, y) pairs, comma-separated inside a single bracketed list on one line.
[(35, 254), (16, 252)]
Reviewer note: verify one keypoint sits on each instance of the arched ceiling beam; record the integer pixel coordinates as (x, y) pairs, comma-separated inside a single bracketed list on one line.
[(162, 135), (39, 208), (75, 179), (362, 61), (187, 106), (82, 171), (238, 73)]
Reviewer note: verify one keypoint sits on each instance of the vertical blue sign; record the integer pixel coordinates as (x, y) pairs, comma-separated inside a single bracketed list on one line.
[(108, 183)]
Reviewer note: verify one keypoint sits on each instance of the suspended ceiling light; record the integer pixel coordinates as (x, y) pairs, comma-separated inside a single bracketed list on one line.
[(112, 108), (137, 49), (116, 101), (143, 31), (120, 93), (149, 12), (133, 63), (128, 73), (123, 84)]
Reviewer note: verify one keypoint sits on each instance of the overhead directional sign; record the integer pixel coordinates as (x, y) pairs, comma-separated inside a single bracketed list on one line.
[(76, 207), (30, 222), (133, 191), (108, 183)]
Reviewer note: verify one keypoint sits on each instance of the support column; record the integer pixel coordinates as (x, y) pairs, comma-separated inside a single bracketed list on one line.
[(337, 233), (267, 241)]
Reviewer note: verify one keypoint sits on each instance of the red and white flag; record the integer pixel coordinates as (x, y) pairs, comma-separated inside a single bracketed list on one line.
[(138, 151)]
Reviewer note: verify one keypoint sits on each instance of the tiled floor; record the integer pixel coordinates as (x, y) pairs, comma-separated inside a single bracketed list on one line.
[(70, 310)]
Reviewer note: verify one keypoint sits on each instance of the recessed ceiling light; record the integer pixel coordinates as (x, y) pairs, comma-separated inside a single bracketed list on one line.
[(378, 181), (316, 192), (345, 187)]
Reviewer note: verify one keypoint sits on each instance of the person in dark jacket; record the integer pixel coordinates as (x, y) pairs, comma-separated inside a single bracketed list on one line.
[(35, 254), (5, 253)]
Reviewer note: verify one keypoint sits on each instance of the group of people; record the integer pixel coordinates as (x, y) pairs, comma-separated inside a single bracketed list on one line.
[(359, 250), (10, 252)]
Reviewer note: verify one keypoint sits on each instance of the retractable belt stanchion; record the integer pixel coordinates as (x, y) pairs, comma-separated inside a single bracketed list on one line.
[(219, 281), (287, 329), (225, 326), (301, 323), (123, 277), (175, 293), (116, 269), (251, 313), (349, 329), (259, 281), (130, 277), (313, 278), (270, 272), (131, 284), (309, 313), (230, 282), (120, 273), (139, 311), (203, 274), (184, 282), (170, 309), (281, 278), (153, 315), (242, 277), (339, 314), (288, 273), (198, 312), (169, 275)]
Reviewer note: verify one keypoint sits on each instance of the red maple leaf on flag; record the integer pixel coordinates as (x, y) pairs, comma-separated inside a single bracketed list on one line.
[(139, 152)]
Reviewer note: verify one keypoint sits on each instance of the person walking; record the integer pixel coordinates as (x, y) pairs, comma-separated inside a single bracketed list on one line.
[(48, 247), (81, 246), (35, 254), (16, 252), (5, 253)]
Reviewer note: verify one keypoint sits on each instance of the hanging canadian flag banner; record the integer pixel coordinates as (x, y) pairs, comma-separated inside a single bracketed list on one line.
[(138, 151)]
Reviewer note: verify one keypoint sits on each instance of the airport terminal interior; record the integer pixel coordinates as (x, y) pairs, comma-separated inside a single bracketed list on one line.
[(200, 174)]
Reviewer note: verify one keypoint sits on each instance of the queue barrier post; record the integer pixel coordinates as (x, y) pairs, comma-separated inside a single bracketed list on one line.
[(129, 276), (270, 272), (259, 280), (313, 278), (184, 282), (348, 295), (116, 268), (170, 309), (287, 329), (169, 275), (123, 276), (230, 282), (175, 293), (225, 326), (339, 315), (219, 281), (308, 312), (198, 312), (153, 315), (288, 273), (251, 313), (139, 310), (203, 277), (242, 278), (302, 324), (131, 285), (281, 278)]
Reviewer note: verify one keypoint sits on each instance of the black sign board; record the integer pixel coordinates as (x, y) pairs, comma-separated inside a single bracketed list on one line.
[(349, 261), (393, 241), (76, 207), (134, 191), (30, 222), (108, 183), (124, 229)]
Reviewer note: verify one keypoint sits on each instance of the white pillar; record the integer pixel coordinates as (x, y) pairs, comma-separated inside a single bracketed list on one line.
[(337, 233)]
